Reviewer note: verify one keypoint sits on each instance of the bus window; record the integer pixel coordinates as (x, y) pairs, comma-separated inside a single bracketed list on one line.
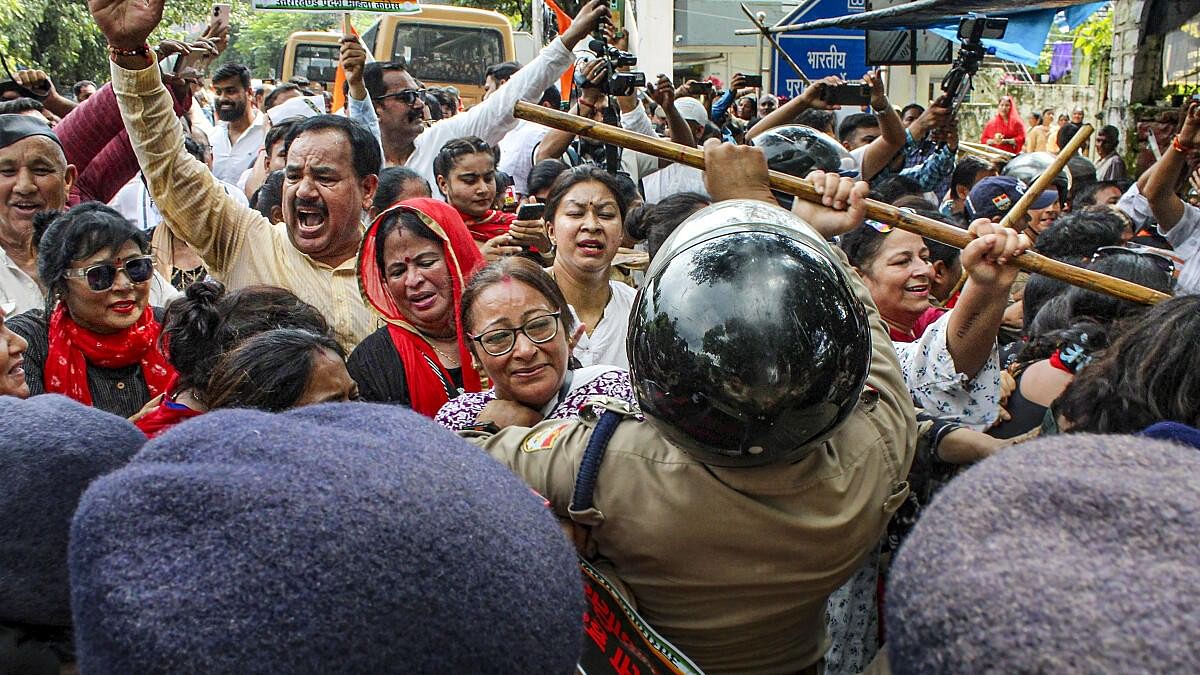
[(449, 54), (316, 62)]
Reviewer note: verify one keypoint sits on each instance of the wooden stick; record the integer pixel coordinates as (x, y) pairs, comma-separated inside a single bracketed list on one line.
[(1017, 213), (981, 149), (910, 222), (775, 43)]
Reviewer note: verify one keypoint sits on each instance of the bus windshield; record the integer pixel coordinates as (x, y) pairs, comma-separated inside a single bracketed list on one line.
[(456, 54), (316, 62)]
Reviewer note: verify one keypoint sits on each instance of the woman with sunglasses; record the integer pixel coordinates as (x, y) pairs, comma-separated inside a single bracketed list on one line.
[(414, 262), (518, 325), (97, 341)]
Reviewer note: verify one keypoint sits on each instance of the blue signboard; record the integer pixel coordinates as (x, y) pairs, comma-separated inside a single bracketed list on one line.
[(828, 51)]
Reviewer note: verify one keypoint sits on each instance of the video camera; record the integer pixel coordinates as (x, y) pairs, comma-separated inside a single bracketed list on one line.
[(972, 31), (615, 83)]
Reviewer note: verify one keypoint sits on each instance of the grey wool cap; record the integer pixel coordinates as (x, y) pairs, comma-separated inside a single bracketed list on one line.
[(51, 449), (1071, 554), (337, 538)]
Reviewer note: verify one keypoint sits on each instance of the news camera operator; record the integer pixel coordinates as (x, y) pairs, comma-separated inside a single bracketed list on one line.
[(594, 77)]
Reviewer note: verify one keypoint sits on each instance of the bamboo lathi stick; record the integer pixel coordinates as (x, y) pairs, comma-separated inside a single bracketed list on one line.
[(1017, 213), (910, 222)]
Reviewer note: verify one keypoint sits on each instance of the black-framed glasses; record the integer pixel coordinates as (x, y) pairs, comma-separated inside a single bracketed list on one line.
[(501, 341), (408, 96), (1160, 261), (102, 277)]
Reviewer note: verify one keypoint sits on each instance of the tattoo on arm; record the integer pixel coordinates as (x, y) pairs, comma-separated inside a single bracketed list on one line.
[(967, 325)]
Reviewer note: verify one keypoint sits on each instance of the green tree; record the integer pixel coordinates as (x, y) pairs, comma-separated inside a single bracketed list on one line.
[(1094, 40), (60, 37)]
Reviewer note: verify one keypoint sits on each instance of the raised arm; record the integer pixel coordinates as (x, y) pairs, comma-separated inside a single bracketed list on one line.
[(975, 319), (493, 118), (1158, 184), (186, 192), (881, 150), (677, 127), (787, 113)]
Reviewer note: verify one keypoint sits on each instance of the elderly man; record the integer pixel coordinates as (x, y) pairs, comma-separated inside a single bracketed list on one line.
[(332, 164), (34, 176)]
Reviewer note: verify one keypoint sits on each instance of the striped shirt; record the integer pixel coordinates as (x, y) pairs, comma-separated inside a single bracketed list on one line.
[(237, 243)]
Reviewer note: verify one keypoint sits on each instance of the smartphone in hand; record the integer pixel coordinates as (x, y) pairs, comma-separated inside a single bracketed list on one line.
[(531, 211)]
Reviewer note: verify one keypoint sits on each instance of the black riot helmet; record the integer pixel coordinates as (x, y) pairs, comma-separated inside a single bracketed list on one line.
[(1028, 167), (797, 150), (747, 345)]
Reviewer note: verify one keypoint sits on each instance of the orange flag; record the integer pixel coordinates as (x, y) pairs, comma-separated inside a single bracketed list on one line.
[(339, 79), (564, 22)]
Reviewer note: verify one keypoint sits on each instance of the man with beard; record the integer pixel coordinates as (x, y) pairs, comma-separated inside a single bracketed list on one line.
[(388, 99), (330, 177), (240, 130)]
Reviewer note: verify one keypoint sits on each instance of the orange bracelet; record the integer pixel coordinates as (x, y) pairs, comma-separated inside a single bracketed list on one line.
[(1180, 147)]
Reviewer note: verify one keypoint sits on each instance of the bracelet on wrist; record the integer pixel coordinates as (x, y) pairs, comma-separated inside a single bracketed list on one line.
[(1181, 147), (143, 50)]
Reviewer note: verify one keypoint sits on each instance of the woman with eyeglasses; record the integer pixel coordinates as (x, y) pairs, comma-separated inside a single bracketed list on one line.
[(414, 262), (97, 340), (518, 326)]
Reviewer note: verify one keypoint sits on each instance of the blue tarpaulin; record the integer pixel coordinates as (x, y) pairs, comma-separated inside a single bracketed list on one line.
[(1027, 31)]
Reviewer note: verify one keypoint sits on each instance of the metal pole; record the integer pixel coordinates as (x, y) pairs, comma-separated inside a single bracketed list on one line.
[(860, 19), (538, 26)]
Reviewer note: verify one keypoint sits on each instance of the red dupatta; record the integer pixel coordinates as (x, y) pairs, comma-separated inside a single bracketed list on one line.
[(488, 226), (423, 371), (1009, 127)]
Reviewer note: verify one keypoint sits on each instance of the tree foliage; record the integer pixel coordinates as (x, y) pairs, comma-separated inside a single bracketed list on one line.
[(60, 37)]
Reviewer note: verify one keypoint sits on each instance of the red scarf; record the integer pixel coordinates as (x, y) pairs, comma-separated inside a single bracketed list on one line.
[(488, 226), (423, 371), (73, 347), (166, 415)]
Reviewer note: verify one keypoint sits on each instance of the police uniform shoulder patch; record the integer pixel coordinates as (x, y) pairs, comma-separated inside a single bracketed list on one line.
[(543, 438)]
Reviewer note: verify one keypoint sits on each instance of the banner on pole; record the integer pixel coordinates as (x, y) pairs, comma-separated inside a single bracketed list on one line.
[(405, 7)]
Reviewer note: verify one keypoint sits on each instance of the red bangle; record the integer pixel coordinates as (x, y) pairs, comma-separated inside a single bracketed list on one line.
[(1181, 147), (144, 50)]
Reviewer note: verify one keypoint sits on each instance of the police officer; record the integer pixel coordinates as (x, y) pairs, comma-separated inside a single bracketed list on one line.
[(776, 438)]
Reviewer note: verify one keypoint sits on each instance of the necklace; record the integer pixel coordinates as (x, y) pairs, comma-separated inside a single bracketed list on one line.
[(446, 358)]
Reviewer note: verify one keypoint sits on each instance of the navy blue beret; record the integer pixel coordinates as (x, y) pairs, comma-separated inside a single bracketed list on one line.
[(333, 538), (1071, 554), (51, 448)]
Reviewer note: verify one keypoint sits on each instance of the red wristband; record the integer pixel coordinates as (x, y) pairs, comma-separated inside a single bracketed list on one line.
[(1181, 147)]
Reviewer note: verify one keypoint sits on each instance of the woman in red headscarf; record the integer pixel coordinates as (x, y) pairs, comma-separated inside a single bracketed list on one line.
[(414, 262), (1006, 131)]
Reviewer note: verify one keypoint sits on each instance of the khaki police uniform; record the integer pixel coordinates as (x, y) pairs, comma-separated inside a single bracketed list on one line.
[(733, 565)]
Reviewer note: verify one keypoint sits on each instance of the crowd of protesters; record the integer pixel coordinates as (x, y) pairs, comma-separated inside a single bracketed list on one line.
[(262, 365)]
